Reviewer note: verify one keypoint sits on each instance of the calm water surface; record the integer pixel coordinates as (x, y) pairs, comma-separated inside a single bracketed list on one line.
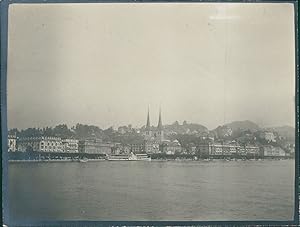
[(173, 190)]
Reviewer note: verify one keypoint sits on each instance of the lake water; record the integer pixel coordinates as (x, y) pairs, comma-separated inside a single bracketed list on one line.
[(156, 190)]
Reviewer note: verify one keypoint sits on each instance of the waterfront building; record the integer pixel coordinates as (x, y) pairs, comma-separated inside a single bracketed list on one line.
[(291, 148), (219, 149), (271, 151), (171, 147), (229, 149), (242, 150), (119, 148), (151, 146), (94, 146), (226, 149), (70, 145), (204, 149), (191, 148), (125, 149), (252, 150), (116, 149), (12, 143), (210, 149), (41, 143), (143, 146), (137, 147)]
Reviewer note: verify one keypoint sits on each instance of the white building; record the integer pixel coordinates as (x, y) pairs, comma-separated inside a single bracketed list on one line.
[(94, 146), (226, 149), (12, 143), (269, 136), (41, 143), (69, 145), (171, 147), (271, 151)]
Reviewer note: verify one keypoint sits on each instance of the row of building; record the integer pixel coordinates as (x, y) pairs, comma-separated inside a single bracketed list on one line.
[(228, 149), (58, 145), (153, 142), (97, 146), (90, 145)]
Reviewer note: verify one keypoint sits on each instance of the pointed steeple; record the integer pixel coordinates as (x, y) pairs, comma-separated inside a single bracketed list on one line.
[(159, 126), (148, 120)]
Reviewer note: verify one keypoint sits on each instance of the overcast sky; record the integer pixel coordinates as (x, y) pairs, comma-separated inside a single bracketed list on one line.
[(103, 64)]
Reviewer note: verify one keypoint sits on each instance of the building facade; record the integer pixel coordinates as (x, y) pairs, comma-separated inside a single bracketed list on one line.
[(137, 147), (171, 147), (12, 143), (119, 149), (252, 150), (151, 147), (94, 146), (271, 151), (69, 145), (42, 144), (226, 149)]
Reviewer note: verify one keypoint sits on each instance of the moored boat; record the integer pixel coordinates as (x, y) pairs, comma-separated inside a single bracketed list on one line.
[(129, 157), (117, 158), (83, 160), (143, 157)]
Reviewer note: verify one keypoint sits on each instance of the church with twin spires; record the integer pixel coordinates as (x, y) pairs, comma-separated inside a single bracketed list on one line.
[(154, 134)]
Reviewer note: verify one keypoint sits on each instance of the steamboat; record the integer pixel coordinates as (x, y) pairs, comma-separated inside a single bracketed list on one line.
[(129, 157)]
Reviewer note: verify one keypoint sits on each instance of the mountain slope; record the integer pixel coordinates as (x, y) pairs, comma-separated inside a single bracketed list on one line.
[(185, 128), (285, 131), (243, 125)]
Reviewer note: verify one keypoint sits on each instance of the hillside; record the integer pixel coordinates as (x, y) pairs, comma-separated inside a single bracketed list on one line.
[(243, 125), (235, 128), (185, 128), (284, 131)]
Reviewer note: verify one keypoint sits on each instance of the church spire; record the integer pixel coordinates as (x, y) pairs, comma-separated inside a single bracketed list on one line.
[(148, 120), (159, 126)]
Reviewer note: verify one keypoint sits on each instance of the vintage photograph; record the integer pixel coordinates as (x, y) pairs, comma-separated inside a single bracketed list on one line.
[(151, 112)]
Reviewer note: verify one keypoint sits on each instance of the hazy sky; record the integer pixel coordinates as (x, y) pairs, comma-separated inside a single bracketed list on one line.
[(103, 64)]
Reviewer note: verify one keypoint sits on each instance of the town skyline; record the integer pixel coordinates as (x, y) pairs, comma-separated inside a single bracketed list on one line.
[(152, 124), (217, 64)]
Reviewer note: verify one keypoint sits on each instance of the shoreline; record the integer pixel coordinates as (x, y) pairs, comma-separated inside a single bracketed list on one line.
[(153, 160)]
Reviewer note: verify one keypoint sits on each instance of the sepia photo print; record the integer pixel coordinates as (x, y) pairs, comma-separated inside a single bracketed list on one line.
[(151, 112)]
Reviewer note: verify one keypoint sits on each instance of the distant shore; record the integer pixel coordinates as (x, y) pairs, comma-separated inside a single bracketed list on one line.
[(155, 160)]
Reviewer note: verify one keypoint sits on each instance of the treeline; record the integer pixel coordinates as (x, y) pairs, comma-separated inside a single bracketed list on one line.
[(79, 131), (242, 138)]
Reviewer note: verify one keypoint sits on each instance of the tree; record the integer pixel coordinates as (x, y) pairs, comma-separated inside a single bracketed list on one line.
[(85, 131), (47, 131), (63, 131), (14, 131), (31, 132)]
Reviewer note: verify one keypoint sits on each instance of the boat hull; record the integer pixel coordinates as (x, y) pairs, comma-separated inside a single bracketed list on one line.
[(130, 157), (116, 159)]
